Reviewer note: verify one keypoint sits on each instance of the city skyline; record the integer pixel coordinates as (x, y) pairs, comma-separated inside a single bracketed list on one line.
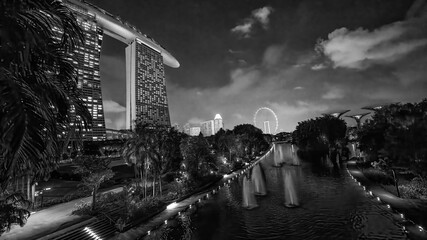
[(299, 58)]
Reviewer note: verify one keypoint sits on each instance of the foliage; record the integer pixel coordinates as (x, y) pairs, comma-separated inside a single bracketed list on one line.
[(13, 210), (417, 189), (320, 134), (154, 149), (399, 132), (37, 85), (197, 157), (252, 140), (38, 89), (94, 171)]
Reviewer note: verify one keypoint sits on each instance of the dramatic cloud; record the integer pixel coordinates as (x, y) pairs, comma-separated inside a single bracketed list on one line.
[(361, 48), (258, 16)]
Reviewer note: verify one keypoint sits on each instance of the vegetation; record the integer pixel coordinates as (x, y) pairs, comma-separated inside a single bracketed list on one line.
[(94, 171), (318, 136), (37, 91), (397, 134)]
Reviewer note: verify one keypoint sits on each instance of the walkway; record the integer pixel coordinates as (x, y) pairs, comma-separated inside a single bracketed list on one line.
[(49, 220), (413, 212)]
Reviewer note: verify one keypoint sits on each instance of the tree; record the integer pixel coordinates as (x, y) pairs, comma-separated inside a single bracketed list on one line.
[(251, 138), (197, 157), (135, 151), (13, 210), (320, 134), (94, 171), (38, 86)]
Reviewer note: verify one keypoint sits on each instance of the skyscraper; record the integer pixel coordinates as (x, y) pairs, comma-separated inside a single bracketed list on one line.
[(207, 128), (146, 99), (86, 62), (218, 123), (145, 77)]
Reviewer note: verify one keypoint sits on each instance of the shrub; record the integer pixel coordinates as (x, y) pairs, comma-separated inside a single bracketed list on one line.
[(416, 189), (378, 176)]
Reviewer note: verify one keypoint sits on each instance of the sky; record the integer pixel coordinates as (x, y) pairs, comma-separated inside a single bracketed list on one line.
[(300, 58)]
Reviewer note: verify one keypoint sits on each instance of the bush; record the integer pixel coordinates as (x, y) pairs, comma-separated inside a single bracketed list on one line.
[(416, 189), (144, 207), (378, 176)]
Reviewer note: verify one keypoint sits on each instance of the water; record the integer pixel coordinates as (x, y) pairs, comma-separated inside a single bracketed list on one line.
[(331, 206), (258, 181)]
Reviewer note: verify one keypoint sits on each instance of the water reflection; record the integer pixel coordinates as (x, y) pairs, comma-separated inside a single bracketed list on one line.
[(248, 196), (258, 181), (290, 192), (331, 207)]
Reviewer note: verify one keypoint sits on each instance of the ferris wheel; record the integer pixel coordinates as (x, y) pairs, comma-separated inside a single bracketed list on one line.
[(265, 116)]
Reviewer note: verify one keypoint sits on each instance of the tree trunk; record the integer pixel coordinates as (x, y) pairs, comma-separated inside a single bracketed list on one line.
[(28, 188), (154, 185), (145, 182), (141, 177), (160, 185), (94, 198)]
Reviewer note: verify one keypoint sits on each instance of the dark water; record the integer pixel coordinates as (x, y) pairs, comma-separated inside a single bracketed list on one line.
[(332, 206)]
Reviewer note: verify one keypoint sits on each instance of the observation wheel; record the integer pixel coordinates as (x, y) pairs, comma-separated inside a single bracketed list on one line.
[(266, 120)]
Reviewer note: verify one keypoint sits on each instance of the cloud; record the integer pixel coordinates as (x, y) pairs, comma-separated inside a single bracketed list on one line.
[(112, 106), (258, 16), (298, 88), (361, 48), (114, 113), (262, 15), (317, 67), (333, 93)]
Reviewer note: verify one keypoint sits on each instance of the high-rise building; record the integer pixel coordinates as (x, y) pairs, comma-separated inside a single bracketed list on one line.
[(145, 86), (207, 128), (145, 60), (86, 62), (218, 123)]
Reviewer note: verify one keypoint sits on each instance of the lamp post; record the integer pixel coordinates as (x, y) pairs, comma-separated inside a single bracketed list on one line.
[(41, 193)]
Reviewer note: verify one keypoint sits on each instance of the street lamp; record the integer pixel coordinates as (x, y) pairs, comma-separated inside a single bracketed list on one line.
[(37, 193)]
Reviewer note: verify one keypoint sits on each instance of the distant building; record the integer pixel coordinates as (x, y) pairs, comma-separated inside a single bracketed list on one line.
[(117, 134), (218, 123), (194, 131), (186, 128), (207, 128)]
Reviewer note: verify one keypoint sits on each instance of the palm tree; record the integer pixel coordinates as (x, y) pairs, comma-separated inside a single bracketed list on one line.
[(38, 86)]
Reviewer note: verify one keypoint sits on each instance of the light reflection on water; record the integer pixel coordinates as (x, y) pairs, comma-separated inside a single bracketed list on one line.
[(332, 207)]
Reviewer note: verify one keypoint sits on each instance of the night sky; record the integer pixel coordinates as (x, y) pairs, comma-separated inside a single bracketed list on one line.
[(300, 58)]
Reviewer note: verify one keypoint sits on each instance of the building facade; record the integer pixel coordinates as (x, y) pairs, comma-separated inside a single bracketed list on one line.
[(146, 99), (218, 123), (86, 62), (207, 128)]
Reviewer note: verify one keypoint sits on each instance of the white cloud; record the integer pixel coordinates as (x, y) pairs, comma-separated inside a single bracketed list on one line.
[(361, 48), (317, 67), (244, 29), (260, 15), (113, 107), (298, 88), (334, 93)]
